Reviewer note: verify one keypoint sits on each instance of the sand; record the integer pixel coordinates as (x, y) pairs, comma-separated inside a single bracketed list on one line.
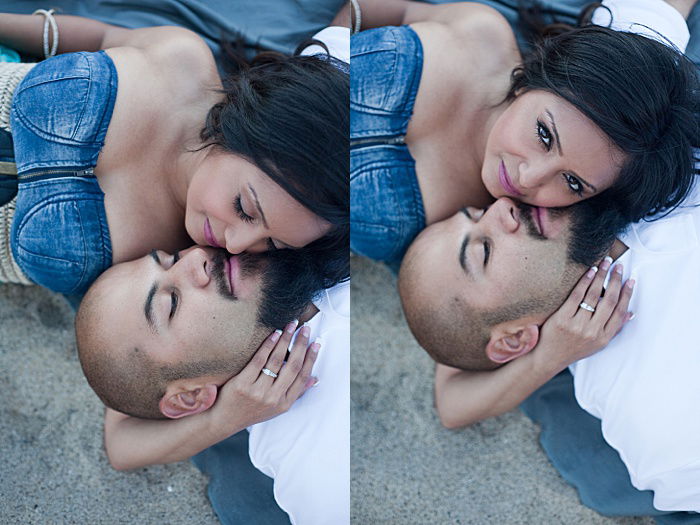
[(407, 468), (54, 469)]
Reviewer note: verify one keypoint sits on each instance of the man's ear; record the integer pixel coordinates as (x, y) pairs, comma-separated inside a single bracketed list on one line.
[(180, 401), (509, 341)]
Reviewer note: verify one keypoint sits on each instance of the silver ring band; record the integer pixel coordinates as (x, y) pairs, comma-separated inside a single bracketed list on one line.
[(269, 372), (587, 306)]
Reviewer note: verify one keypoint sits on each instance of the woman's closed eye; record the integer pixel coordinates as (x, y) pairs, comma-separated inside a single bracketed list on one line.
[(238, 206)]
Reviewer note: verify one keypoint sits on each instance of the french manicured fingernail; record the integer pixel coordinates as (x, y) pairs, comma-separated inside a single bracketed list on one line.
[(276, 335), (305, 330), (606, 263), (594, 269), (315, 347), (631, 316), (314, 381), (319, 341), (618, 268), (591, 272), (292, 326), (630, 283)]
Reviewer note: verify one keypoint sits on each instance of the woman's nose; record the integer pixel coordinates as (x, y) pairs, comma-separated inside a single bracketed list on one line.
[(243, 239)]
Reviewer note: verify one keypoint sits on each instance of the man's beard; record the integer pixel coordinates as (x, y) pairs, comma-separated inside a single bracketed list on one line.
[(593, 225), (288, 283)]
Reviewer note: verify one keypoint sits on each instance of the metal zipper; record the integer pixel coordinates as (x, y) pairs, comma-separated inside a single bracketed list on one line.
[(87, 172), (388, 140)]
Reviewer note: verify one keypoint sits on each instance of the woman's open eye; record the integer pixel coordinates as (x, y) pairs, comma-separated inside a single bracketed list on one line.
[(238, 206), (574, 184), (544, 135), (173, 304)]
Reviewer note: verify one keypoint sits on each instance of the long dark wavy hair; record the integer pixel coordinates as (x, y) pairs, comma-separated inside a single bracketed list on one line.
[(641, 93), (290, 115)]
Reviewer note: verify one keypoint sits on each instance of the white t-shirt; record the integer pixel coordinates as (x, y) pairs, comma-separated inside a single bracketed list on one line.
[(307, 449), (645, 385), (337, 40), (652, 18)]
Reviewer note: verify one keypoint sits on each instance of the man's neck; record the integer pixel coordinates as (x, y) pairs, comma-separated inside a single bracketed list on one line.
[(618, 248), (310, 311)]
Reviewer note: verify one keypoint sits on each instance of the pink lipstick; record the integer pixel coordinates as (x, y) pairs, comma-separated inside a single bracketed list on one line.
[(506, 182), (209, 235)]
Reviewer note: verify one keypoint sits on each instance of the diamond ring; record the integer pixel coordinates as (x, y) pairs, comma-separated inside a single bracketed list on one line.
[(269, 372)]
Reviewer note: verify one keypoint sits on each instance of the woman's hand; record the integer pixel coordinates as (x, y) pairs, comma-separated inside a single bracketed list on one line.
[(254, 396), (574, 332)]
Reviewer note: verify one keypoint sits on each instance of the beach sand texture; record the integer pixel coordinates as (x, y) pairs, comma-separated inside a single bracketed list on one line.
[(406, 468), (54, 469)]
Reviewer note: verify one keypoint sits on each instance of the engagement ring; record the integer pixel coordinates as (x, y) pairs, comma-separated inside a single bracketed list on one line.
[(269, 372), (587, 306)]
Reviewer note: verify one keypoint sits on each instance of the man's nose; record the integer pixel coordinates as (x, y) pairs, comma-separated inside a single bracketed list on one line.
[(506, 215), (244, 239), (193, 268)]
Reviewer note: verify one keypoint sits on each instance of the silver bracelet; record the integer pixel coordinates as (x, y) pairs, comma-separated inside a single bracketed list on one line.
[(49, 20), (357, 26)]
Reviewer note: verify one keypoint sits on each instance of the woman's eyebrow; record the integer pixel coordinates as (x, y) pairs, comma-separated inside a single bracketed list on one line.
[(561, 152), (257, 205), (554, 129)]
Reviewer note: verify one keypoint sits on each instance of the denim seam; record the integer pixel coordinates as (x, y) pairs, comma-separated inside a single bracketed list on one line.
[(87, 97), (55, 199)]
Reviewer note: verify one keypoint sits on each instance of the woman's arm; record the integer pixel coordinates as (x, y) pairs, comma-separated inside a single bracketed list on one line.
[(24, 33), (378, 13), (570, 334), (246, 399)]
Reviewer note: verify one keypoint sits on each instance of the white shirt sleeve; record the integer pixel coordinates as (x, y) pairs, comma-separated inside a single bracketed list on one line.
[(652, 18), (336, 38)]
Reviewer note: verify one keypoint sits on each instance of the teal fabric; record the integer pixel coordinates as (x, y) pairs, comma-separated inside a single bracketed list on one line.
[(8, 55)]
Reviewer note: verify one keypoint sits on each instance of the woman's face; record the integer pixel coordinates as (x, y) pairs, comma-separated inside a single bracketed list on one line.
[(545, 152), (232, 204)]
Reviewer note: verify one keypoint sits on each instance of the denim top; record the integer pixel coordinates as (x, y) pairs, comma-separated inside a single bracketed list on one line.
[(59, 119)]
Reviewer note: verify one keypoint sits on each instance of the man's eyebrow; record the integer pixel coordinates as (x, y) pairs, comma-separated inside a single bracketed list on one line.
[(257, 205), (556, 134), (148, 305)]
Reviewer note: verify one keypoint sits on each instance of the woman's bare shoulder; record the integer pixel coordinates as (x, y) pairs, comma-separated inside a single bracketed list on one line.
[(474, 29)]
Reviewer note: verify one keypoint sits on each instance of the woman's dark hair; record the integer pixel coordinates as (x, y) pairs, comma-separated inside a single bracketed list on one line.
[(641, 93), (289, 115)]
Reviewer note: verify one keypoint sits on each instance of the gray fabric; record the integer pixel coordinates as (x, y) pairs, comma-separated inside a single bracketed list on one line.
[(568, 10), (279, 25)]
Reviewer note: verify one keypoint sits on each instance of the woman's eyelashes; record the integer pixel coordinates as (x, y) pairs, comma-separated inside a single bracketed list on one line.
[(545, 138), (574, 184), (544, 135), (238, 206)]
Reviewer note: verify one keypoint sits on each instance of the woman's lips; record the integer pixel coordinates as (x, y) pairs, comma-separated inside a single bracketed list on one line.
[(209, 235), (233, 268), (506, 182), (540, 216)]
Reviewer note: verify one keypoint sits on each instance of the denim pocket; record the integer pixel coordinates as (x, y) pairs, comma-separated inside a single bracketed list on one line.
[(60, 242), (52, 101)]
